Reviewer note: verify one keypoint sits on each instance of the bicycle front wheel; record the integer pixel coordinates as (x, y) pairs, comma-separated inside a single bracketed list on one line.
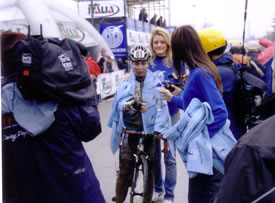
[(139, 188)]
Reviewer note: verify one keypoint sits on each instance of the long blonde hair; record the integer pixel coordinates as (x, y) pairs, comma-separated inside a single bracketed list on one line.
[(168, 58)]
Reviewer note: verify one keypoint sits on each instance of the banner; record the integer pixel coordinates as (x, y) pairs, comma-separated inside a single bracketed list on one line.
[(103, 8), (107, 83), (116, 38)]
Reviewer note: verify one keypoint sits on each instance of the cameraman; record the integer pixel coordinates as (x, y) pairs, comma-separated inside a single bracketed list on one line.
[(44, 159), (134, 107)]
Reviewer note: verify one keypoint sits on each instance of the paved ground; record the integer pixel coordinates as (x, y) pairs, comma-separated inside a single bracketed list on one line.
[(105, 163)]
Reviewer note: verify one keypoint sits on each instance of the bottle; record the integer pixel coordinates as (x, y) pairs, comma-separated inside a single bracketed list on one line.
[(158, 98)]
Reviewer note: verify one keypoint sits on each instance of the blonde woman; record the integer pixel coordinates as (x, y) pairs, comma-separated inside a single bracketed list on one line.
[(161, 63)]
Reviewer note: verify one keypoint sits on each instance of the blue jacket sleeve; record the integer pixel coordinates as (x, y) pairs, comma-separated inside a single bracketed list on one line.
[(178, 101)]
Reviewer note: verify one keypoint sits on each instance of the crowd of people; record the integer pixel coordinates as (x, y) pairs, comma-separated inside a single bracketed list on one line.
[(143, 16), (52, 165)]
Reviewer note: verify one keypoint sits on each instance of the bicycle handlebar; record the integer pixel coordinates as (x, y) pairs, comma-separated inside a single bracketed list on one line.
[(137, 132), (165, 147)]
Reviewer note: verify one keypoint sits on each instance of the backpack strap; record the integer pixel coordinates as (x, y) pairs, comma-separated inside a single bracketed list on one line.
[(249, 78), (29, 31)]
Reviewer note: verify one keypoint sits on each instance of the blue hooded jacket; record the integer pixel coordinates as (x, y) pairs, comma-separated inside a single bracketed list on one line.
[(229, 79)]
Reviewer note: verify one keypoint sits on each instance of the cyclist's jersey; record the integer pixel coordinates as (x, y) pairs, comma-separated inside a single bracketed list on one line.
[(132, 118)]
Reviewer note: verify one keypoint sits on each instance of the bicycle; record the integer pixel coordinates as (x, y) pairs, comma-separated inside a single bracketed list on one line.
[(139, 184)]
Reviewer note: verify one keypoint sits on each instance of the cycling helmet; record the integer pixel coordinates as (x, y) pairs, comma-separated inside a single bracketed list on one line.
[(212, 39), (139, 53)]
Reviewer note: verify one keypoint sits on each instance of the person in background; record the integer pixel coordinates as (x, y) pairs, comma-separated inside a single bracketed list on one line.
[(214, 44), (266, 57), (101, 60), (153, 20), (252, 65), (161, 63), (109, 64), (203, 83), (160, 21), (43, 156), (94, 70), (134, 107), (164, 23), (123, 64), (143, 15), (253, 49)]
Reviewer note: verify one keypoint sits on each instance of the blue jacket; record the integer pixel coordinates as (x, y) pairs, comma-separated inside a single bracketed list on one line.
[(152, 120), (229, 79), (47, 163), (200, 152), (204, 88)]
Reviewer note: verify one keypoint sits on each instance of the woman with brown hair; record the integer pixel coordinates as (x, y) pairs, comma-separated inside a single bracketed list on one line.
[(203, 83)]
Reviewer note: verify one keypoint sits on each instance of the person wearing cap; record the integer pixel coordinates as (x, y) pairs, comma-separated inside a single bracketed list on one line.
[(214, 43), (44, 159), (247, 59), (134, 108)]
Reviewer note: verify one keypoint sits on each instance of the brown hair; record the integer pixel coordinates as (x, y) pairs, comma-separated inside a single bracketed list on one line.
[(187, 47), (7, 39), (162, 32)]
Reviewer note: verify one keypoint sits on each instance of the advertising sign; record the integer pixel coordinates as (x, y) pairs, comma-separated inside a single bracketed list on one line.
[(116, 38), (66, 30), (107, 83), (102, 9)]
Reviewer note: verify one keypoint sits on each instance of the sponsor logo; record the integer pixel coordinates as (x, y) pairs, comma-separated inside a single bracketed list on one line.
[(71, 32), (113, 36), (13, 137), (66, 62), (26, 58), (107, 85), (103, 9)]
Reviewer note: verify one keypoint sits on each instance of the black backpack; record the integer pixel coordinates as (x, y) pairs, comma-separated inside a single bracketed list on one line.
[(50, 70), (249, 93)]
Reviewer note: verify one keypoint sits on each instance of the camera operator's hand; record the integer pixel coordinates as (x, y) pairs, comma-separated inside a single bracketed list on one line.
[(167, 95), (176, 91)]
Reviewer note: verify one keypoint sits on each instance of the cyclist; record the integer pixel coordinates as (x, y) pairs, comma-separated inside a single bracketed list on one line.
[(134, 108)]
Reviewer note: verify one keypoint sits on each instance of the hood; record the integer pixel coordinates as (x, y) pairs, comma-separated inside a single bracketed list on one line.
[(227, 58)]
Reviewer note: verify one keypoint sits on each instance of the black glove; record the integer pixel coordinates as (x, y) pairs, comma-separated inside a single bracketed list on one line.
[(137, 105)]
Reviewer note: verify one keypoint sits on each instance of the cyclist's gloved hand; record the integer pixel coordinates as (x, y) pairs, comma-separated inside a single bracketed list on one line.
[(158, 135), (137, 105), (128, 104)]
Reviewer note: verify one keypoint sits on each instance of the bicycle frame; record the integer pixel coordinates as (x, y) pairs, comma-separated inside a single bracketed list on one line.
[(141, 165)]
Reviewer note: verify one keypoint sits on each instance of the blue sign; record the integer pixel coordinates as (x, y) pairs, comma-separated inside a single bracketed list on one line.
[(115, 36)]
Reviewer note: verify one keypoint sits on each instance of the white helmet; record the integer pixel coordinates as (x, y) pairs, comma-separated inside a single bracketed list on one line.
[(139, 53)]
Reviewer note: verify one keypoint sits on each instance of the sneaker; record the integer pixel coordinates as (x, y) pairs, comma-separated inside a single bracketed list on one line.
[(168, 201), (157, 196)]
